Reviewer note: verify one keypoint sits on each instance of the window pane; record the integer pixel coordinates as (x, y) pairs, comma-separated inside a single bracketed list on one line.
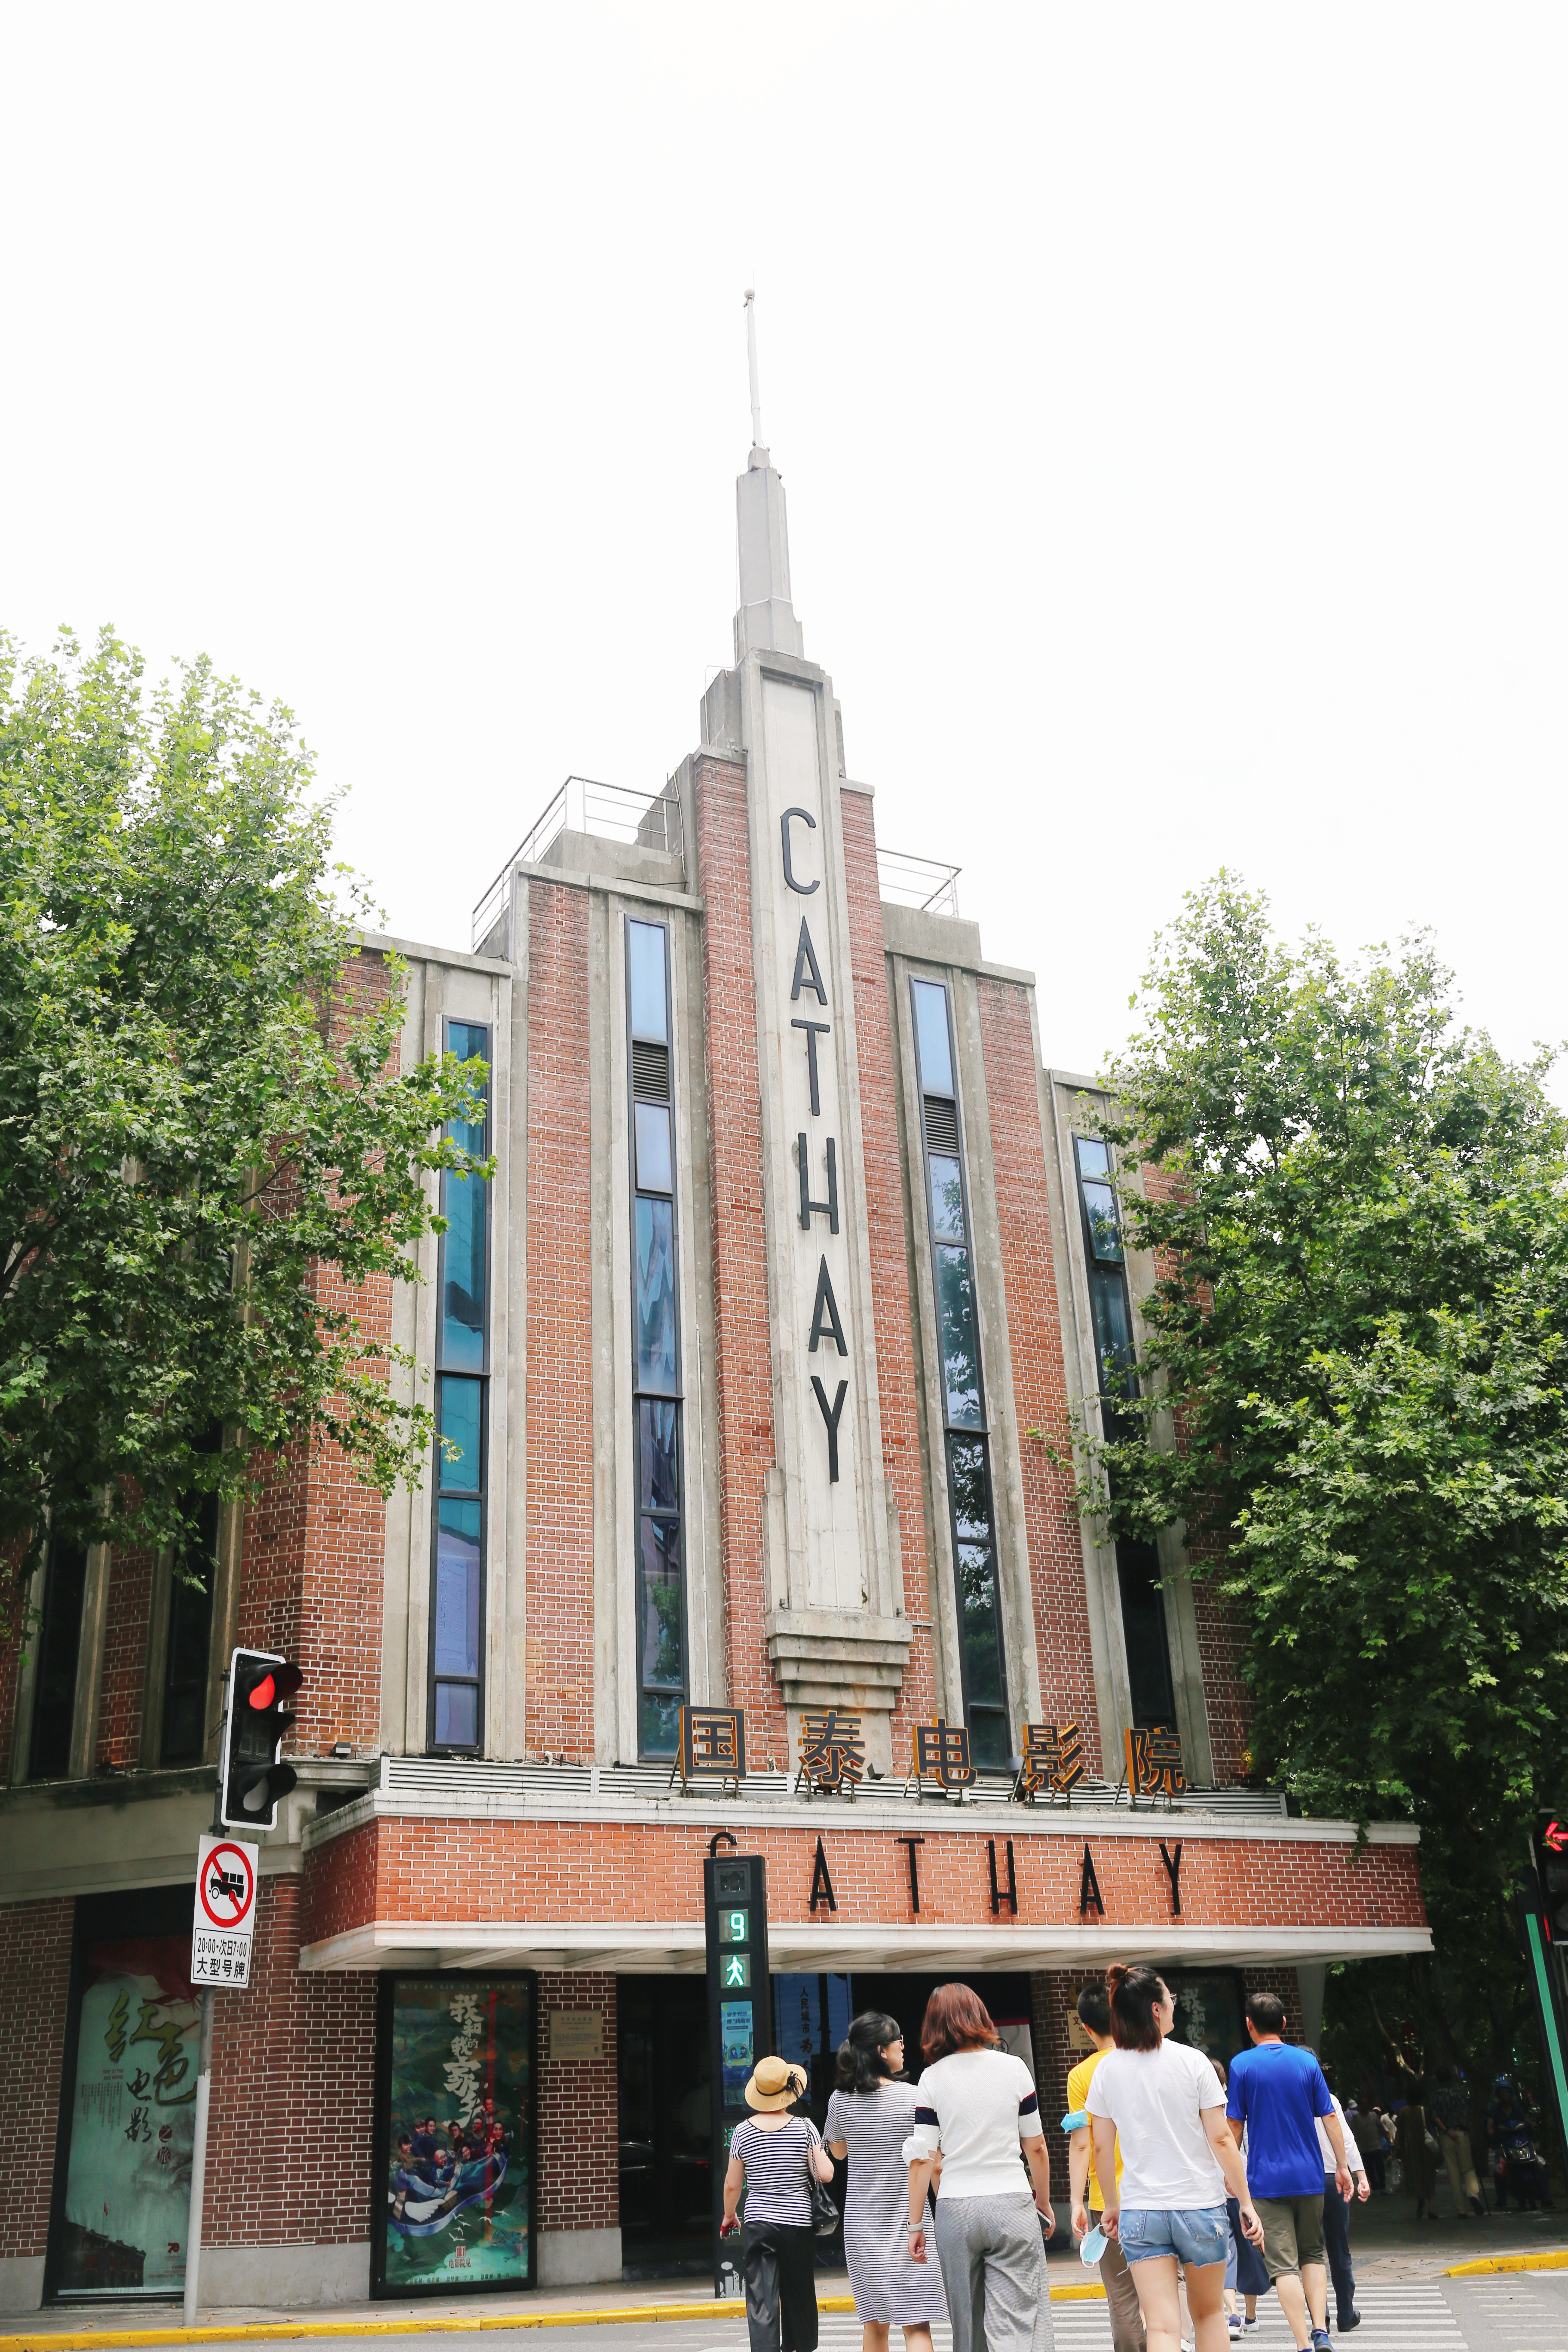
[(460, 1411), (54, 1699), (1143, 1631), (956, 1327), (988, 1738), (463, 1204), (457, 1575), (654, 1308), (931, 1037), (1093, 1157), (1104, 1223), (981, 1651), (662, 1647), (456, 1715), (946, 1200), (645, 969), (469, 1040), (969, 1489), (1112, 1330), (658, 1458), (653, 1168)]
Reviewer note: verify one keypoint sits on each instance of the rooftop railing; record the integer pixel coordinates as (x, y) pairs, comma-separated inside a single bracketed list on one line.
[(921, 882), (643, 820)]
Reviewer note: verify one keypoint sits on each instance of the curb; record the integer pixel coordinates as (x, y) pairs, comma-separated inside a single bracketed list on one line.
[(1549, 2262), (284, 2331)]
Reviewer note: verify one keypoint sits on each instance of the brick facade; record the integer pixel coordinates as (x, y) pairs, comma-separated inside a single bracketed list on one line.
[(559, 1570), (743, 1350), (579, 2178), (892, 1314), (1039, 1375), (34, 1967)]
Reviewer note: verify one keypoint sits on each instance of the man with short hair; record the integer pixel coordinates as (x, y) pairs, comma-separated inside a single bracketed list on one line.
[(1278, 2093), (1093, 2006)]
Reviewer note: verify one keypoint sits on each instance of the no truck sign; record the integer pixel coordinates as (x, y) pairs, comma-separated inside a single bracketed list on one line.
[(226, 1912)]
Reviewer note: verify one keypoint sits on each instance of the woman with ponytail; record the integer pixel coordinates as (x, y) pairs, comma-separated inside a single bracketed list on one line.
[(1161, 2100), (870, 2116)]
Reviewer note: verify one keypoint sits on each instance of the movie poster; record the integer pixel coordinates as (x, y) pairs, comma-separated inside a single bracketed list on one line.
[(459, 2196), (132, 2120)]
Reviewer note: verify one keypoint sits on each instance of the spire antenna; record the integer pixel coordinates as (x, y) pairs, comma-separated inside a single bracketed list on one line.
[(751, 361)]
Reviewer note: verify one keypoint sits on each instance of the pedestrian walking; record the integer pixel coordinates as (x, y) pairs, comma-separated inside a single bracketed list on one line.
[(1279, 2092), (1417, 2151), (1336, 2216), (1127, 2332), (1244, 2277), (976, 2105), (870, 2116), (1367, 2122), (1160, 2102), (775, 2154), (1451, 2121)]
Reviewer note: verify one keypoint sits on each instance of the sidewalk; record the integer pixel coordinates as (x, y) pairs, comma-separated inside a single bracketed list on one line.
[(1387, 2245)]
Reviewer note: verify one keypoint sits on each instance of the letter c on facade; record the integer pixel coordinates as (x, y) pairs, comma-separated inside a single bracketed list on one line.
[(805, 888)]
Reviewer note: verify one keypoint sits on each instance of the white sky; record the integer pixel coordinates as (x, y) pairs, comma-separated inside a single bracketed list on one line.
[(1173, 402)]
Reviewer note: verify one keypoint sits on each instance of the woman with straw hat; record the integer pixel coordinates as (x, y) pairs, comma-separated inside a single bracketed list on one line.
[(776, 2153)]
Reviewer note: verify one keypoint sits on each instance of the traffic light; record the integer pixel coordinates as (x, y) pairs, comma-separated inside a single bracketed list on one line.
[(250, 1778), (1550, 1844)]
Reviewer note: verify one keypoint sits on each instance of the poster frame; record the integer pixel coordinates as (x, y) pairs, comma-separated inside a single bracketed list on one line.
[(135, 1911), (381, 2130)]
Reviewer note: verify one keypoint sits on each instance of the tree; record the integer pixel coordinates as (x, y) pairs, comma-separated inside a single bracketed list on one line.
[(1352, 1390), (207, 1149)]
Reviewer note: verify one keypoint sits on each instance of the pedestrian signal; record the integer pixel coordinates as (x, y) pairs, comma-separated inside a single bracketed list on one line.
[(251, 1777)]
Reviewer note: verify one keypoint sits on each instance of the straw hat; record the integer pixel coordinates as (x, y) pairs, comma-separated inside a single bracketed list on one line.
[(774, 2084)]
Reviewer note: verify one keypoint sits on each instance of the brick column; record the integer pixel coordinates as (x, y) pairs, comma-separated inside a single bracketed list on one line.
[(1039, 1377), (744, 1369), (560, 1331), (578, 2207), (34, 1968)]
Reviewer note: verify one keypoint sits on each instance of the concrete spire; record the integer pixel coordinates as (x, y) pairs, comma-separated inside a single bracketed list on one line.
[(765, 621)]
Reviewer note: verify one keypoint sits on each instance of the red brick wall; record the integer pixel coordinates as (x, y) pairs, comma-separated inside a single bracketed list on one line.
[(889, 1239), (743, 1345), (293, 2077), (560, 1571), (579, 2111), (441, 1868), (1039, 1379), (35, 1969), (342, 1884), (124, 1657)]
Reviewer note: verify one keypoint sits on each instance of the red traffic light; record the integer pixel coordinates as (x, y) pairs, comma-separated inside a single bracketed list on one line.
[(281, 1684)]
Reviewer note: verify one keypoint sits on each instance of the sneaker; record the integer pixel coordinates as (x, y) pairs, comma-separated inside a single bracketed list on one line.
[(1233, 2322), (1343, 2326), (1321, 2341)]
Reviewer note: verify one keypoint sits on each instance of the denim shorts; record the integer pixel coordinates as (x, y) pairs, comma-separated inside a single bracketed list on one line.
[(1199, 2235)]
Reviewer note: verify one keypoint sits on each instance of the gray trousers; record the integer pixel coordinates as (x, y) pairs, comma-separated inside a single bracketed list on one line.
[(1121, 2298), (994, 2273)]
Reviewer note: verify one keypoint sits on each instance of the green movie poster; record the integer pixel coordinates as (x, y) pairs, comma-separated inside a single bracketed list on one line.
[(132, 2120), (458, 2198)]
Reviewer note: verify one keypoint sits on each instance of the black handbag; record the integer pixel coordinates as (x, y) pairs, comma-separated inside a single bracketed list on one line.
[(825, 2218)]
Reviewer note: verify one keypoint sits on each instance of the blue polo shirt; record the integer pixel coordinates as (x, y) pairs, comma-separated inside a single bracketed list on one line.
[(1277, 2091)]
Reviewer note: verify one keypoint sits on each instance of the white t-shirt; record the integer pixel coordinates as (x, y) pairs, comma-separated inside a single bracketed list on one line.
[(976, 2107), (1355, 2161), (1154, 2098)]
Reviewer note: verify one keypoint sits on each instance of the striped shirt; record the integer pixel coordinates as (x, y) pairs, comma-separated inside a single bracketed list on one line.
[(977, 2106), (776, 2164)]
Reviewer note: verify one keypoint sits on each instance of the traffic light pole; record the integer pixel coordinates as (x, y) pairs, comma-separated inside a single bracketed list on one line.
[(204, 2090), (199, 2156)]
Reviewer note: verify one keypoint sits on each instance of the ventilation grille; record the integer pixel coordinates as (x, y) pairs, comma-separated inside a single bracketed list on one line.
[(942, 1125), (650, 1071)]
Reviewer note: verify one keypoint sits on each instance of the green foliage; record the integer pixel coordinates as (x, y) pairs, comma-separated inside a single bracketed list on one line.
[(1353, 1381), (203, 1151)]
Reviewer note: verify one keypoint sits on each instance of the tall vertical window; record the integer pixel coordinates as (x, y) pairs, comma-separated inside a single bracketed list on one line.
[(963, 1390), (59, 1643), (656, 1347), (462, 1395), (1143, 1627)]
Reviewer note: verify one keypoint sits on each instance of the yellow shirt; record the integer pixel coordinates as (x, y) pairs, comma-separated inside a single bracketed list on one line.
[(1078, 2099)]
